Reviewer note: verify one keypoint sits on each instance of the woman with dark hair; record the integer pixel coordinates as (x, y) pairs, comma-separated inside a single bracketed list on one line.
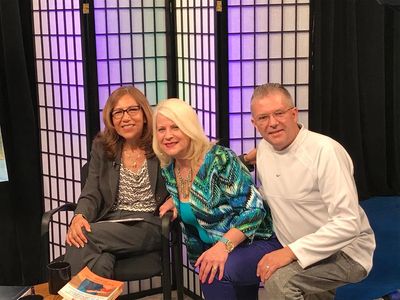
[(124, 182)]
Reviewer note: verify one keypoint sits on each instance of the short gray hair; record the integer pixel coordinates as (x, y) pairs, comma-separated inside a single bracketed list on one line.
[(267, 89)]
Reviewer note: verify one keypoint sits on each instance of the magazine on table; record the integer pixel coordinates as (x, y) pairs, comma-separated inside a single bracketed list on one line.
[(88, 286), (126, 220)]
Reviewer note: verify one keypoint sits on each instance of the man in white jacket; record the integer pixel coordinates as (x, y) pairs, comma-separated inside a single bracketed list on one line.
[(307, 180)]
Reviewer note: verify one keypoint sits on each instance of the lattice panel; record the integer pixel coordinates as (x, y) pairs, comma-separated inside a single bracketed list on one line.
[(268, 42), (57, 37), (131, 47), (196, 59)]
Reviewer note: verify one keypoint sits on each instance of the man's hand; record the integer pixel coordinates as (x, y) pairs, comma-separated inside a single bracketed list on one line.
[(273, 261), (250, 157), (75, 235), (168, 205)]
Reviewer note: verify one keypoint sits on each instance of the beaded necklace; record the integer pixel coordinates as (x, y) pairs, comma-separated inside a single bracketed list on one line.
[(184, 184)]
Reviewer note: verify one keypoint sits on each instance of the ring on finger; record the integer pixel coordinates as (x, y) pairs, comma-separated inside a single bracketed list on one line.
[(214, 269), (267, 267)]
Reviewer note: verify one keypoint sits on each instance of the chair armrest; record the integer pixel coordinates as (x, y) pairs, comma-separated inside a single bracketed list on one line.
[(165, 229), (44, 234), (48, 215)]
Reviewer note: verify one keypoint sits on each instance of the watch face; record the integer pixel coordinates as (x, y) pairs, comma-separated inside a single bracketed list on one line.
[(229, 246)]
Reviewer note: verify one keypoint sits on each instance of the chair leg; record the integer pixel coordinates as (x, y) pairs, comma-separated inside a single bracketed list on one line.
[(166, 258), (177, 251), (166, 281)]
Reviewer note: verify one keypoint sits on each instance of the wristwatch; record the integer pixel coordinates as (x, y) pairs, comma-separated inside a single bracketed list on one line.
[(228, 244)]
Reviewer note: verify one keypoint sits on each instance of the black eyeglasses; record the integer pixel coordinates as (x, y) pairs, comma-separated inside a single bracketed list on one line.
[(131, 111)]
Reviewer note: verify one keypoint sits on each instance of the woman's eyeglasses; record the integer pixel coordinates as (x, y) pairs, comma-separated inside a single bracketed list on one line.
[(131, 111)]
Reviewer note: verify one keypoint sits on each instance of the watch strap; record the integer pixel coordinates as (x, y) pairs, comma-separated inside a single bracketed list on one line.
[(228, 244), (224, 240)]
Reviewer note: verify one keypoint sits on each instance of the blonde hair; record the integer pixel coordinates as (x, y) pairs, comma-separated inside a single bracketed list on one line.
[(111, 140), (184, 116)]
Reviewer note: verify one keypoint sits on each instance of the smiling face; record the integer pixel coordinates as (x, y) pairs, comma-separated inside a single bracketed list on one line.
[(279, 131), (130, 125), (172, 141)]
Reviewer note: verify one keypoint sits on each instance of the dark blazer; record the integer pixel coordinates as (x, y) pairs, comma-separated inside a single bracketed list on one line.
[(100, 190)]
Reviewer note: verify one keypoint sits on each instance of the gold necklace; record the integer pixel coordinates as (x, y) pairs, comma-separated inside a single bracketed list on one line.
[(184, 184), (130, 157)]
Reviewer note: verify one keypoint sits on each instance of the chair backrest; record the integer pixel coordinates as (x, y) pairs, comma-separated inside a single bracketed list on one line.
[(84, 173)]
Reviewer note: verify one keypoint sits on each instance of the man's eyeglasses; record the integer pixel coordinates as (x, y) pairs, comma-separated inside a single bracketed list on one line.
[(278, 115), (131, 111)]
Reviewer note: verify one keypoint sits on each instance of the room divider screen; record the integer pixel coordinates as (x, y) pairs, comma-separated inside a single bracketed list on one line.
[(209, 53), (60, 87)]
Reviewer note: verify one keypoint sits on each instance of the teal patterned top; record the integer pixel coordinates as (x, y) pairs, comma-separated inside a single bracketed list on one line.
[(188, 217), (222, 197)]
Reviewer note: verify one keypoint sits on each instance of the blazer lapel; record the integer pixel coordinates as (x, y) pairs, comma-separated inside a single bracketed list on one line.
[(114, 176), (152, 166)]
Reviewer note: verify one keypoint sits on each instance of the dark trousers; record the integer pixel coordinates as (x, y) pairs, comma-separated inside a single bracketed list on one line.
[(107, 241), (240, 280)]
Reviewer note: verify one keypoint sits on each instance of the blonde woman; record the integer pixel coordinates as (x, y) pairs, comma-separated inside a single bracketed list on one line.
[(227, 228)]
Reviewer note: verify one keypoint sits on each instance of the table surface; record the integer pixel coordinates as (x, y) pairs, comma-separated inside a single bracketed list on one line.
[(43, 289)]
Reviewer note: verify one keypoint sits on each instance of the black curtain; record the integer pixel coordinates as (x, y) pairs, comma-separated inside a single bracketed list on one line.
[(21, 197), (355, 87)]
